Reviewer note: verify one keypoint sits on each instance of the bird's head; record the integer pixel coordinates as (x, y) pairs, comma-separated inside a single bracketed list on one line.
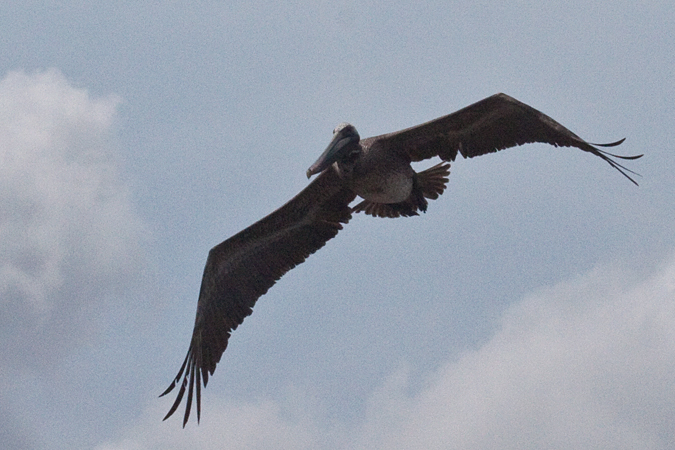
[(343, 146)]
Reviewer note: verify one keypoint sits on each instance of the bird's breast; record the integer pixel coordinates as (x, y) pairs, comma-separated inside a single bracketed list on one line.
[(389, 187)]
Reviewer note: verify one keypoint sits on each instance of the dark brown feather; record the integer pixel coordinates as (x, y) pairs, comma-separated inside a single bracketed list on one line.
[(432, 181), (241, 269), (492, 124)]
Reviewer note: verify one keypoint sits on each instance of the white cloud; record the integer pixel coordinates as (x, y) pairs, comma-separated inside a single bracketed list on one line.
[(68, 231), (589, 363), (585, 364), (260, 425)]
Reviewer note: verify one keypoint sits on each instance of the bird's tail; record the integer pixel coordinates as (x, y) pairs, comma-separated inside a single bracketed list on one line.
[(432, 181)]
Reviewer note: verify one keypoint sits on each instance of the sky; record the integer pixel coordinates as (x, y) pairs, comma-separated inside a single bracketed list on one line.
[(532, 306)]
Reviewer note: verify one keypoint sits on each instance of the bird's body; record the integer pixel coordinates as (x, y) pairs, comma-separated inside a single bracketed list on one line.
[(373, 178), (241, 269), (379, 181)]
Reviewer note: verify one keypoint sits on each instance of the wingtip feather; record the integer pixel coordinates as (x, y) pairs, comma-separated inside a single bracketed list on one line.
[(611, 144)]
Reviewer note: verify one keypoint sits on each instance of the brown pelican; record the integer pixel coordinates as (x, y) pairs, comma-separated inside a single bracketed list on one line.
[(241, 269)]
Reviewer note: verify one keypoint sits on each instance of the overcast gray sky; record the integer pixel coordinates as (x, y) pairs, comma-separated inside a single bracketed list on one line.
[(533, 306)]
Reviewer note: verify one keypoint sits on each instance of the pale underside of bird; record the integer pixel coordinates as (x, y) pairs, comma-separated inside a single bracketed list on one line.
[(241, 269)]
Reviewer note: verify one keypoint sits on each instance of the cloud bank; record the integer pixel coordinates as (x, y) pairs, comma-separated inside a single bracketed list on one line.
[(69, 236), (589, 363)]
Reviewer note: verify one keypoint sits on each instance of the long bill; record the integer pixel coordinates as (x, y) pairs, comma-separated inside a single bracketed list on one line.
[(335, 150)]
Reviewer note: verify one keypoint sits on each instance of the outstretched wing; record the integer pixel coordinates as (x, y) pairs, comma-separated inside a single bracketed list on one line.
[(490, 125), (241, 269)]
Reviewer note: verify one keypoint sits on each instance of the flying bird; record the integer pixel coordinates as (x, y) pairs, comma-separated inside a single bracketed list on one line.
[(241, 269)]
